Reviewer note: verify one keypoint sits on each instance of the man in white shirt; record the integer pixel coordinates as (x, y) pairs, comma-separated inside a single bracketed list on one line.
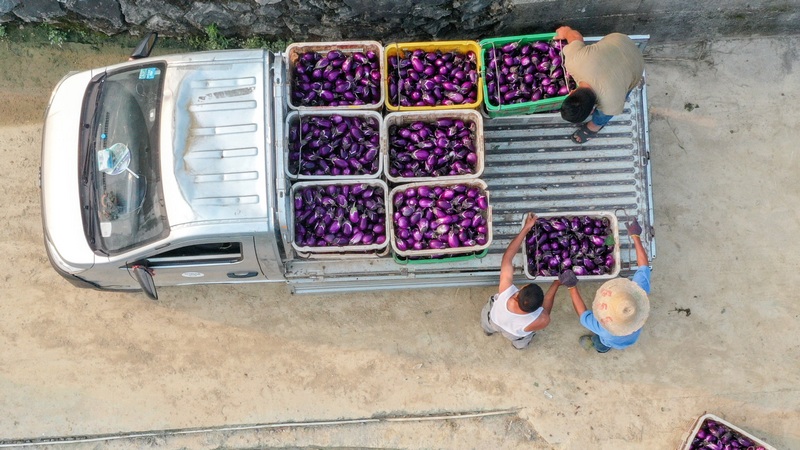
[(517, 313)]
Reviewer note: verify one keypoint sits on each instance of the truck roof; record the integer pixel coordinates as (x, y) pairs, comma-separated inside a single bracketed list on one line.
[(215, 134)]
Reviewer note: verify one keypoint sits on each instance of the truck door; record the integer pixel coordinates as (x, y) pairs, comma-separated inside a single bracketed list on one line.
[(202, 262)]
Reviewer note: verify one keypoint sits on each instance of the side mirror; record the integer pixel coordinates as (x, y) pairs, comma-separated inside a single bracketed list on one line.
[(145, 46), (145, 278)]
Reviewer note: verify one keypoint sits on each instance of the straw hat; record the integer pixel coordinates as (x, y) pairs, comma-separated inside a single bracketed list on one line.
[(621, 306)]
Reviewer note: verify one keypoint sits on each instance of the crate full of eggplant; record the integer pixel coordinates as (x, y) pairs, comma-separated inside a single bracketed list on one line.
[(339, 216), (333, 145), (423, 76), (342, 75), (432, 145), (438, 218), (586, 242), (524, 74), (712, 432)]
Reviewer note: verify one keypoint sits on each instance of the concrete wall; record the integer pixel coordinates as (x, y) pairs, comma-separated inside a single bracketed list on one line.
[(404, 20)]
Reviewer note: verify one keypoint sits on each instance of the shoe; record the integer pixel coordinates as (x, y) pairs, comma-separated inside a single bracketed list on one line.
[(586, 342), (583, 134)]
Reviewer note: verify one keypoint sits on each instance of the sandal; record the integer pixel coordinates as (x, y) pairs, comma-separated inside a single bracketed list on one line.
[(586, 342), (583, 134)]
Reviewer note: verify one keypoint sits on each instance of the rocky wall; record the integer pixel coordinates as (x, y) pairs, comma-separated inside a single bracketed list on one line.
[(405, 20), (297, 20)]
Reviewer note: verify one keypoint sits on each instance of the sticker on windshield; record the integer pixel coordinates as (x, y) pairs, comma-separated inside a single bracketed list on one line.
[(148, 73), (105, 229)]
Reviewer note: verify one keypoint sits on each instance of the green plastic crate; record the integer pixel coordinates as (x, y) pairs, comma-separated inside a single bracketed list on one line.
[(446, 260), (544, 105)]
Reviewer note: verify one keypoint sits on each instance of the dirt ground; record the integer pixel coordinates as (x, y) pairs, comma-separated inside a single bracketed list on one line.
[(723, 335)]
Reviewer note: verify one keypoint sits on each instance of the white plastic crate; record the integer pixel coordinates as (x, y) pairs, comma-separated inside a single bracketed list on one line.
[(294, 51), (446, 251), (613, 225), (292, 171), (405, 118), (687, 443), (361, 248)]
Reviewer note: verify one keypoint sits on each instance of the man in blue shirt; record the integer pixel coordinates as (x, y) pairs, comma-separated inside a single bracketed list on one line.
[(620, 307)]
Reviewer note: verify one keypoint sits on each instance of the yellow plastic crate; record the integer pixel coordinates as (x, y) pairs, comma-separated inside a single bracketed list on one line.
[(402, 48)]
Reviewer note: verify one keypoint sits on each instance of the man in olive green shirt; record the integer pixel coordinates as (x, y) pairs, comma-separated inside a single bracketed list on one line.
[(605, 73)]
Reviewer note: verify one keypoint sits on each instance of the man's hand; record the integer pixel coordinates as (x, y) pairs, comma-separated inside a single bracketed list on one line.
[(530, 220), (561, 32), (571, 35), (634, 229), (568, 278)]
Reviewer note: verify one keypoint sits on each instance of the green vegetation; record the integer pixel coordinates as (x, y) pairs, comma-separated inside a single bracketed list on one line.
[(259, 42), (55, 36), (214, 40), (59, 35)]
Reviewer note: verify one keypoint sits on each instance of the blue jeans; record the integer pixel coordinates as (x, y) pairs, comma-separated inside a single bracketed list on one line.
[(600, 119), (599, 346)]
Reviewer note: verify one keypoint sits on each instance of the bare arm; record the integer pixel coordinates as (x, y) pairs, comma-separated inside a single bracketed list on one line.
[(569, 34), (634, 231), (550, 295), (641, 254), (577, 301), (507, 265)]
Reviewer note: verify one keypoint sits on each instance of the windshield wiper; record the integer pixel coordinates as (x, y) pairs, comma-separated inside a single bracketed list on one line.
[(90, 123)]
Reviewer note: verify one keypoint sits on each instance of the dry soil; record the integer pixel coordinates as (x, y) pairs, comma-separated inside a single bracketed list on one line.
[(723, 335)]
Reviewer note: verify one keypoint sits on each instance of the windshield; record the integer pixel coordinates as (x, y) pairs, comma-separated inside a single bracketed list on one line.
[(121, 194)]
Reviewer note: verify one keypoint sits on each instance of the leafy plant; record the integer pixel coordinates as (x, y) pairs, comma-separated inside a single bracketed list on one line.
[(213, 40), (3, 33), (55, 36), (254, 42)]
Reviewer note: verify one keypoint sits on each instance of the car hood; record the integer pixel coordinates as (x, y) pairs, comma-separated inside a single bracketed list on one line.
[(61, 211)]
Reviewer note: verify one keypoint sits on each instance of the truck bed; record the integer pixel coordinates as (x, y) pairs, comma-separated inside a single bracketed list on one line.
[(530, 165)]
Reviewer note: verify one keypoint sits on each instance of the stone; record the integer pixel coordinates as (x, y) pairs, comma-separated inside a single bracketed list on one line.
[(140, 11), (103, 14), (7, 5), (166, 25), (204, 14), (39, 10), (269, 12), (238, 7)]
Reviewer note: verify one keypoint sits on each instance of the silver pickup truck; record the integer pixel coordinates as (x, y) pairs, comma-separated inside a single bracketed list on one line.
[(165, 171)]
